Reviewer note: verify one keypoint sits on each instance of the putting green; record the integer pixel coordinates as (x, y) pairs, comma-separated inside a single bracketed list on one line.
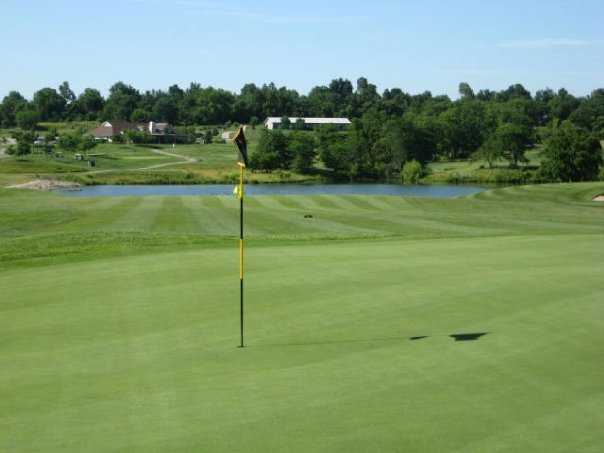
[(131, 347)]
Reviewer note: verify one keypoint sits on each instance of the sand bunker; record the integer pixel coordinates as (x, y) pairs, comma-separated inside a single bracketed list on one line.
[(46, 184), (599, 198)]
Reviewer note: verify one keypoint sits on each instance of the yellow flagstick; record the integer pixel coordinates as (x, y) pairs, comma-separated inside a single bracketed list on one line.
[(240, 195), (241, 143)]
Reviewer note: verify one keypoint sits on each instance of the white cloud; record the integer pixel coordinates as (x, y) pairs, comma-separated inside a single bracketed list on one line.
[(546, 43)]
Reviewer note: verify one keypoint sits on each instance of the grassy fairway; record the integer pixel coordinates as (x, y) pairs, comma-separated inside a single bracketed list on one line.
[(119, 321)]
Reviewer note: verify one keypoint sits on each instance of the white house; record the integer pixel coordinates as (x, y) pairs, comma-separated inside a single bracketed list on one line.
[(309, 123), (109, 129)]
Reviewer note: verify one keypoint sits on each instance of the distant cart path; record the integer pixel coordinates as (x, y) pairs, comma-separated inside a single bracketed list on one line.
[(184, 160), (49, 184)]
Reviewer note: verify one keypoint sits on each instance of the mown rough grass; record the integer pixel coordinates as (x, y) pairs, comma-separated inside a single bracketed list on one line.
[(120, 323), (107, 157)]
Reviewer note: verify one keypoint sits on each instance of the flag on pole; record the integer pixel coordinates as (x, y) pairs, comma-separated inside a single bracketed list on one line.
[(238, 191), (241, 143)]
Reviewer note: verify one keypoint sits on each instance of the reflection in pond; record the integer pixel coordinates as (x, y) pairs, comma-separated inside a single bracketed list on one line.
[(434, 191)]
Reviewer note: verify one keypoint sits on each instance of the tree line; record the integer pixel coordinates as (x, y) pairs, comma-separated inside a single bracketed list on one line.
[(208, 105), (396, 129), (389, 129)]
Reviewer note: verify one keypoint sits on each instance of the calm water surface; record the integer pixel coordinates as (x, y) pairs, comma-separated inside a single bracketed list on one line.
[(434, 191)]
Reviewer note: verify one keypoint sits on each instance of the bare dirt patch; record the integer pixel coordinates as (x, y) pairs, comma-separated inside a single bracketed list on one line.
[(46, 185), (5, 145)]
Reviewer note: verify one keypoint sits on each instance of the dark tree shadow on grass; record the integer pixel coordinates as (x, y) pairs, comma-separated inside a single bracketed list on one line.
[(457, 337), (468, 336)]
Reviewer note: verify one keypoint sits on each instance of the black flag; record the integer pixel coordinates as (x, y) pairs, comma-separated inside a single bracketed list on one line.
[(242, 145)]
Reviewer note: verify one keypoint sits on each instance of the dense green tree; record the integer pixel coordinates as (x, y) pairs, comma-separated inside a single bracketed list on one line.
[(66, 92), (272, 152), (571, 154), (28, 119), (466, 91), (490, 151), (89, 104), (365, 98), (76, 140), (249, 103), (563, 105), (122, 101), (542, 107), (70, 141), (87, 142), (140, 116), (395, 102), (341, 94), (176, 92), (11, 105), (513, 140), (364, 138), (465, 126), (321, 102), (209, 105), (137, 137), (335, 151), (302, 146), (589, 111), (49, 104), (486, 95), (273, 101), (518, 111), (409, 138), (166, 109), (516, 91), (598, 127), (25, 140)]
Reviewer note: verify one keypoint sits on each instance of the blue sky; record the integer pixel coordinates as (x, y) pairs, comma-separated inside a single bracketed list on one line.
[(415, 45)]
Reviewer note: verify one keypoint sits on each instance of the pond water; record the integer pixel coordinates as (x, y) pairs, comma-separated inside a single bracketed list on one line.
[(434, 191)]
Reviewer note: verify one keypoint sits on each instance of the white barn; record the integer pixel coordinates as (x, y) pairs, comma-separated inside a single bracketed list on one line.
[(274, 122)]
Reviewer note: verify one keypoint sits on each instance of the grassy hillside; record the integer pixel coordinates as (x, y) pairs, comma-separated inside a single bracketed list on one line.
[(478, 171), (120, 321), (106, 156), (215, 163), (142, 164)]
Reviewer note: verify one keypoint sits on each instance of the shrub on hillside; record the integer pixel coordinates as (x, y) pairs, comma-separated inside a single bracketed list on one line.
[(498, 176), (412, 172)]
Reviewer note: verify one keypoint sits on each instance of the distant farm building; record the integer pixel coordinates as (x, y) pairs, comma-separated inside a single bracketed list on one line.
[(309, 123), (110, 129), (159, 129)]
